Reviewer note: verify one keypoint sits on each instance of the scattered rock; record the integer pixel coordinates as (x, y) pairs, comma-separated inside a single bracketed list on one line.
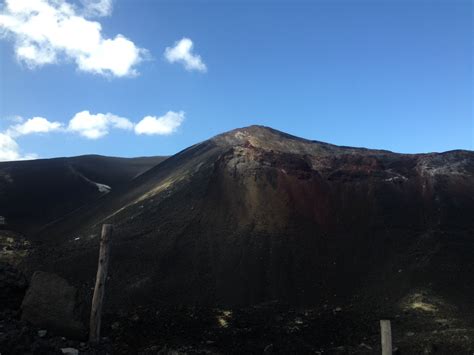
[(70, 351), (429, 349), (50, 302), (268, 349), (42, 333)]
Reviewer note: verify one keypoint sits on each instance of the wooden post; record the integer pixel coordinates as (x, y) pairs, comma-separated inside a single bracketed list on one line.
[(96, 310), (386, 337)]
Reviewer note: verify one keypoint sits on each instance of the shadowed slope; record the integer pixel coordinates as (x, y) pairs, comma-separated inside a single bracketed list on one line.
[(36, 192)]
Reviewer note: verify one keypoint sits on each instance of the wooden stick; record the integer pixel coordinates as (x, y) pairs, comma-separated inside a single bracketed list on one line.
[(96, 310), (386, 337)]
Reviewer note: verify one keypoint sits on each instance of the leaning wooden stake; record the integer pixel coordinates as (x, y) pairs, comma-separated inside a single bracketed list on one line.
[(386, 337), (96, 310)]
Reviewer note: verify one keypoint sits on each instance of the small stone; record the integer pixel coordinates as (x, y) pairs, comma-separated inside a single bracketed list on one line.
[(410, 334), (268, 349), (42, 333), (115, 325), (430, 349), (70, 351)]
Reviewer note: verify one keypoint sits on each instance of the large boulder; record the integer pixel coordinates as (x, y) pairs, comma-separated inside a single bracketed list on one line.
[(51, 302)]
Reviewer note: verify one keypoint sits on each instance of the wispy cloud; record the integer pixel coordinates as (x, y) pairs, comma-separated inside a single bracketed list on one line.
[(47, 31), (182, 52), (97, 8), (164, 125)]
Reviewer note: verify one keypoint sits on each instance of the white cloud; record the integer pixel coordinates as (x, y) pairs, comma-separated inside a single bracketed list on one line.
[(91, 126), (45, 31), (33, 125), (15, 119), (9, 149), (182, 53), (96, 126), (163, 125)]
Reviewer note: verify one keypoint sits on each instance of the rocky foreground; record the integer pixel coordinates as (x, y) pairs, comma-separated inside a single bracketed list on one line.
[(270, 328)]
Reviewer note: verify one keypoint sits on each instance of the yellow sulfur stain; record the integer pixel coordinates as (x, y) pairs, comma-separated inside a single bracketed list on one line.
[(223, 318), (422, 301), (427, 307)]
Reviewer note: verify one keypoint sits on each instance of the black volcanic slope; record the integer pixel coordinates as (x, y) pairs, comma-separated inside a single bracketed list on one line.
[(255, 214), (34, 193)]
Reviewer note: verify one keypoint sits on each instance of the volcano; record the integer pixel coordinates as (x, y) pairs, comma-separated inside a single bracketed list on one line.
[(256, 215)]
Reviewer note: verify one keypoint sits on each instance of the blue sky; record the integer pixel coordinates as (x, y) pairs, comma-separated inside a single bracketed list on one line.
[(383, 74)]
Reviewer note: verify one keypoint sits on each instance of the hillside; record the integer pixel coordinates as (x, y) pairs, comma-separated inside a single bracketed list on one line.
[(254, 215), (37, 192)]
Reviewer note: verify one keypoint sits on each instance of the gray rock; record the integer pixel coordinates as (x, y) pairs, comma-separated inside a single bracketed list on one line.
[(50, 302), (42, 333), (70, 351), (429, 349), (268, 349)]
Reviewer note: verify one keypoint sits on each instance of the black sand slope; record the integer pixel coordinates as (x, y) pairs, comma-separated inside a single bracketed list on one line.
[(254, 215), (36, 192)]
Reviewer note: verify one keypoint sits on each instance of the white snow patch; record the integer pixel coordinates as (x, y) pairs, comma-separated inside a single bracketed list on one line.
[(102, 187)]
